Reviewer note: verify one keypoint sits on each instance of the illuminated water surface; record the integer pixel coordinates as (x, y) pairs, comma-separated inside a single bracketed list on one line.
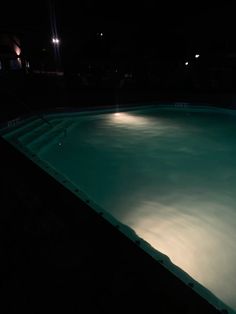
[(169, 175)]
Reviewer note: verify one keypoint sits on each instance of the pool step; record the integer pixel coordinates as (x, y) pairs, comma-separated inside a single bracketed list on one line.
[(50, 130), (51, 137), (29, 137), (25, 128)]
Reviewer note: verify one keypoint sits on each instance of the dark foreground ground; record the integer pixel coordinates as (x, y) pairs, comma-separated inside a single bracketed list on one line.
[(57, 254)]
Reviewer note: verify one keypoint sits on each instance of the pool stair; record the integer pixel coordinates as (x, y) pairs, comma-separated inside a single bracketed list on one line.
[(23, 129), (38, 135), (28, 137), (50, 136)]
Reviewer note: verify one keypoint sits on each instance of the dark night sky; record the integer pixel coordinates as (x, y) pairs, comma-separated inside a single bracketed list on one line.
[(144, 26), (182, 13)]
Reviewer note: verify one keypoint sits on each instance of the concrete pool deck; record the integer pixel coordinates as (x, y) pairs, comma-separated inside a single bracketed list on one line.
[(58, 255)]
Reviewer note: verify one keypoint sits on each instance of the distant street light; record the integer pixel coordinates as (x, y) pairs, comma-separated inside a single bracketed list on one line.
[(100, 35), (57, 55), (186, 63), (55, 41), (197, 56), (54, 36)]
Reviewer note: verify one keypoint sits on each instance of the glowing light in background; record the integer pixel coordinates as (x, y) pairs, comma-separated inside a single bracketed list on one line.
[(197, 56), (186, 63), (55, 41), (17, 50), (55, 38)]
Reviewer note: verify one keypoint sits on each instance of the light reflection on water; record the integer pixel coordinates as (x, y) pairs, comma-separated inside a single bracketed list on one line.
[(198, 237), (171, 177)]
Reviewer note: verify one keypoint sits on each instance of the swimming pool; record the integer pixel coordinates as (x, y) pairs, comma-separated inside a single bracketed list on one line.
[(168, 173)]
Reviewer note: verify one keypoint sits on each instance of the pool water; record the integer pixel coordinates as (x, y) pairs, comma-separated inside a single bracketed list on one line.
[(169, 174)]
